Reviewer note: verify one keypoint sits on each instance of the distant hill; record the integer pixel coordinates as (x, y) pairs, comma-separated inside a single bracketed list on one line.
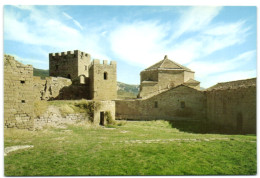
[(40, 72), (124, 91)]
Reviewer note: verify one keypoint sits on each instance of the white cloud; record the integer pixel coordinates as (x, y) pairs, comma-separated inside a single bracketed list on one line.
[(195, 18), (74, 21), (205, 69), (139, 42)]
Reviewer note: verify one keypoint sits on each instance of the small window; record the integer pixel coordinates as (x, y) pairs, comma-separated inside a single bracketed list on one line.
[(86, 67), (22, 101), (156, 104), (22, 81), (182, 104), (105, 75), (57, 67), (69, 76)]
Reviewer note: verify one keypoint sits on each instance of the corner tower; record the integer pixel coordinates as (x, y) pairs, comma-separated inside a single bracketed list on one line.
[(71, 64), (103, 80)]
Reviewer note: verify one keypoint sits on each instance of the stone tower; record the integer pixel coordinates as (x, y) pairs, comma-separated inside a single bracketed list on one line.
[(164, 75), (103, 80), (71, 64)]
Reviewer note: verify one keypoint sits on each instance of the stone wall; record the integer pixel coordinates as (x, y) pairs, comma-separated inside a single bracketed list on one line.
[(103, 80), (233, 108), (153, 81), (179, 103), (188, 75), (52, 117), (59, 88), (69, 64), (18, 94), (104, 106)]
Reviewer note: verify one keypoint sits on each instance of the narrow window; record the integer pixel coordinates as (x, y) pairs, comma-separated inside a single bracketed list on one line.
[(69, 76), (105, 75), (57, 67), (23, 101), (22, 81), (156, 104), (182, 104), (86, 67)]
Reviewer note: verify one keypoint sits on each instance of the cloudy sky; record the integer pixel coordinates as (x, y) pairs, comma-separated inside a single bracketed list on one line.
[(218, 43)]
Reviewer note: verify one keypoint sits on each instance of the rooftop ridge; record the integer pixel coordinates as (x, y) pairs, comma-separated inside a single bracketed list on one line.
[(161, 65)]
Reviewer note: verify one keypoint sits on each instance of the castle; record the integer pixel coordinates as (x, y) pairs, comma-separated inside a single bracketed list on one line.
[(168, 91)]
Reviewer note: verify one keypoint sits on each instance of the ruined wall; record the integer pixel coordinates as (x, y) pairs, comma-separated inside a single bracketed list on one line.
[(180, 102), (103, 80), (18, 94), (233, 108), (69, 64), (52, 117), (59, 88), (50, 87)]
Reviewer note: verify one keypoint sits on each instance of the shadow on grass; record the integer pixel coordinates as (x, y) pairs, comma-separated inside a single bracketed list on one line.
[(203, 127)]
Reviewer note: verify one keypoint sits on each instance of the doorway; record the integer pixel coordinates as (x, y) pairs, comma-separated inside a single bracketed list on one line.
[(102, 118)]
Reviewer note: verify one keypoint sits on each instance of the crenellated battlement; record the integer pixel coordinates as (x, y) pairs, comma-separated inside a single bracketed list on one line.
[(103, 62), (75, 52)]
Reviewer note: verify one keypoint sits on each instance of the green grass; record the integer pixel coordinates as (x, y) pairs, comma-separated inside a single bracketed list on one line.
[(134, 148)]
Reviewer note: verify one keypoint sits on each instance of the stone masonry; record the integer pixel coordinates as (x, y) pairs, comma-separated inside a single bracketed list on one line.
[(164, 75), (18, 94), (71, 64), (103, 81)]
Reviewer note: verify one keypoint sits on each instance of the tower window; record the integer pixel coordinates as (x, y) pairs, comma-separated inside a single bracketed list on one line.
[(156, 104), (56, 67), (23, 101), (182, 104), (86, 67), (22, 81), (105, 75), (69, 76)]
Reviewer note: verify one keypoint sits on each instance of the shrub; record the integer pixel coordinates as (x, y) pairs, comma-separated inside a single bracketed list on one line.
[(109, 118)]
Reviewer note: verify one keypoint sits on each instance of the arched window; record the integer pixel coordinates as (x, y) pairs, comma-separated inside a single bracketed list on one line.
[(105, 75), (82, 79)]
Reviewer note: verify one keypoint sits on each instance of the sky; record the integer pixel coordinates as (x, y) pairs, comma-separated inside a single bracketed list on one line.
[(217, 42)]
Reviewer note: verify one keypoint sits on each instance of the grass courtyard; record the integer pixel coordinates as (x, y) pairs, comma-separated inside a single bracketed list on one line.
[(134, 148)]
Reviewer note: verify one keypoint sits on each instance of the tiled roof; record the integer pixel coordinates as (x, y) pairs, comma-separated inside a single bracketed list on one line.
[(167, 64)]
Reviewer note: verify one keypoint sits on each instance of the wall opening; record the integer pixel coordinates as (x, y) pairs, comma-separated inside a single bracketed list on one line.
[(56, 67), (22, 81), (86, 67), (82, 79), (22, 101), (182, 104), (105, 75), (102, 118), (69, 76), (156, 104)]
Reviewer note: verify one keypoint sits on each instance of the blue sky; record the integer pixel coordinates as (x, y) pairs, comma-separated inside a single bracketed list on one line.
[(218, 43)]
